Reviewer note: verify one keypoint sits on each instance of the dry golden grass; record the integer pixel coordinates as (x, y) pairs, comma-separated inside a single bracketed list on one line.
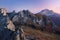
[(39, 35)]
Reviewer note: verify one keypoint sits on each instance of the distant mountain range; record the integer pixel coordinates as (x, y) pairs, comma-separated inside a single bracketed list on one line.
[(55, 17)]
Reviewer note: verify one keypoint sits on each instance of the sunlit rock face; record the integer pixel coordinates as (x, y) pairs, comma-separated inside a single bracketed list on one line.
[(3, 11), (10, 25)]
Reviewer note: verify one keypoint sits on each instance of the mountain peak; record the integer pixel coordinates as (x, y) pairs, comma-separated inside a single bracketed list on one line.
[(46, 12)]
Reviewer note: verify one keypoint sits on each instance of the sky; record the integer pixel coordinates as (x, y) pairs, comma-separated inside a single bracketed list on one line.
[(32, 5)]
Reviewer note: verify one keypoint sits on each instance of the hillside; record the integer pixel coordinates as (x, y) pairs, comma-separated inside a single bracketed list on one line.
[(40, 35)]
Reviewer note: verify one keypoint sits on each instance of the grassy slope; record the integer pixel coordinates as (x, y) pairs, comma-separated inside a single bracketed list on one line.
[(39, 35)]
